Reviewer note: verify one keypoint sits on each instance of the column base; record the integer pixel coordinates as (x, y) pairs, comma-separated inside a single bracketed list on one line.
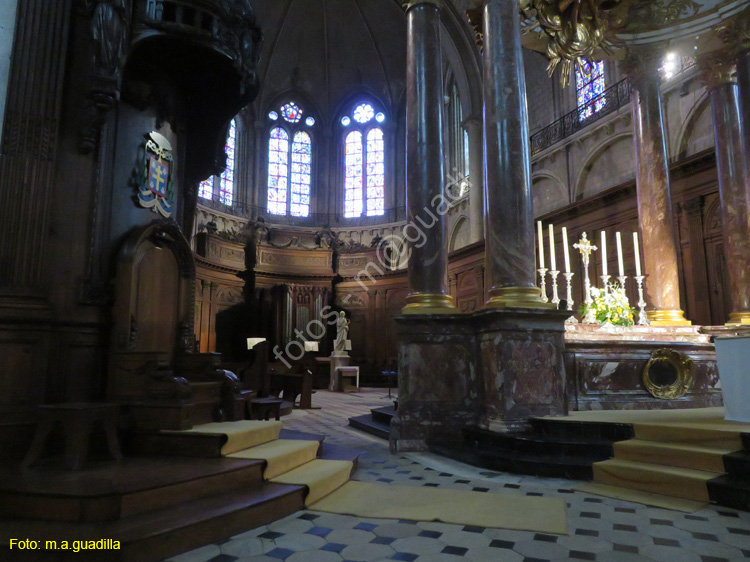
[(667, 318), (739, 318), (429, 303), (517, 297)]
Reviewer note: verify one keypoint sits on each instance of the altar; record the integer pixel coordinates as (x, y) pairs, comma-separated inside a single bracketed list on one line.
[(639, 367)]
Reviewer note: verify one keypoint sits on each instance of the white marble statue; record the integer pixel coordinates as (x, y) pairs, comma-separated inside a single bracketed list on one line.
[(342, 332)]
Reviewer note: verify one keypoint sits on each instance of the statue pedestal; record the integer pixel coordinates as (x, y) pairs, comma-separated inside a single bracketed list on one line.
[(338, 359)]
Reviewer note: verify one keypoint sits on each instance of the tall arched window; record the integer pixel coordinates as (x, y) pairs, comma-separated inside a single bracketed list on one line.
[(289, 161), (223, 185), (364, 162), (590, 86)]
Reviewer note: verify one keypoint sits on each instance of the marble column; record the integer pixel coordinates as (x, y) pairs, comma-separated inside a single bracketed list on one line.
[(655, 212), (509, 247), (476, 178), (731, 171), (425, 172), (743, 82)]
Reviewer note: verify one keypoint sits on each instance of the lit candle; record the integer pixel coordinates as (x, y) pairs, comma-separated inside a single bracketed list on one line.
[(637, 255), (604, 253), (620, 265), (565, 249), (541, 244), (552, 260)]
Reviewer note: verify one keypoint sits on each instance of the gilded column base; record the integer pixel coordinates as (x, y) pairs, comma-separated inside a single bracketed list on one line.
[(739, 318), (429, 303), (668, 318), (517, 297)]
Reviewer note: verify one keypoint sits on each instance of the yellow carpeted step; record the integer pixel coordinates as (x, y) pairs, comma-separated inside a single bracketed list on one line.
[(671, 454), (694, 434), (320, 476), (667, 480), (241, 434), (281, 455)]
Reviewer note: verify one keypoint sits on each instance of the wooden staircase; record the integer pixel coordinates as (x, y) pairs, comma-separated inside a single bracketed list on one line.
[(155, 506)]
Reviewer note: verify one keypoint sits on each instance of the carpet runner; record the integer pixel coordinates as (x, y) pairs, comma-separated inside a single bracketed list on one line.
[(288, 461)]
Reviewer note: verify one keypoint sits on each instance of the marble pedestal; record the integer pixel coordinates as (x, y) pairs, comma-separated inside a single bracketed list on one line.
[(338, 359), (494, 368)]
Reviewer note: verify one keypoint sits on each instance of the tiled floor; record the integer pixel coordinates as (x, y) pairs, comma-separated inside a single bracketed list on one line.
[(600, 529)]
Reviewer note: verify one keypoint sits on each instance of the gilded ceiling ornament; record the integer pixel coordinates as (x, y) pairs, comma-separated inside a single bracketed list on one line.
[(576, 30)]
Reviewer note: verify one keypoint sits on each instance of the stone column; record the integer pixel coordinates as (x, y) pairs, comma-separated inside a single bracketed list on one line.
[(509, 247), (476, 179), (743, 81), (425, 172), (655, 212), (731, 168)]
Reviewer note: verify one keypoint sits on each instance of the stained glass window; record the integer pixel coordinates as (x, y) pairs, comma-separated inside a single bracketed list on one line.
[(278, 171), (590, 86), (206, 188), (353, 177), (363, 113), (310, 121), (291, 112), (301, 172), (226, 183), (375, 173)]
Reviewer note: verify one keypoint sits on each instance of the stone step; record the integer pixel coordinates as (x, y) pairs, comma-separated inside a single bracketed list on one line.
[(365, 423), (666, 480), (671, 454)]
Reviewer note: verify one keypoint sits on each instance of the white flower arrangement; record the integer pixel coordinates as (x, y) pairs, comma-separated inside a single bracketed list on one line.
[(610, 306)]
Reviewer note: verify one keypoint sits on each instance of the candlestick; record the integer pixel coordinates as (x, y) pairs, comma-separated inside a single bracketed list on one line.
[(555, 298), (552, 260), (620, 264), (565, 249), (541, 244), (622, 279), (605, 283), (642, 316), (585, 247), (568, 282), (542, 272), (604, 253), (637, 255)]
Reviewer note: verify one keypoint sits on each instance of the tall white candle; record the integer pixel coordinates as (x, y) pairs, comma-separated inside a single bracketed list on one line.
[(565, 249), (604, 253), (541, 244), (552, 259), (620, 264), (637, 254)]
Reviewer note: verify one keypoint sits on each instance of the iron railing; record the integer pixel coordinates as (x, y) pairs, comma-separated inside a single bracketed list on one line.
[(397, 214), (609, 101)]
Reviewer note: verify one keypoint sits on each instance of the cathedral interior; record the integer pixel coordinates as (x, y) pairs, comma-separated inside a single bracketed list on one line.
[(527, 221)]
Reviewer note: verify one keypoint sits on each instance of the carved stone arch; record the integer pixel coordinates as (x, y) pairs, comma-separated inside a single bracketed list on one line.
[(594, 156), (543, 196), (465, 60), (460, 234), (683, 137)]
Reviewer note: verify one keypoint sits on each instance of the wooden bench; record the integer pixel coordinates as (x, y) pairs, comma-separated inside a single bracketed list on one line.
[(292, 385), (77, 421)]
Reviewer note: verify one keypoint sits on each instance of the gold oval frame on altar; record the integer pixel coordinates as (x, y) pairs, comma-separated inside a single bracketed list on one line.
[(684, 366)]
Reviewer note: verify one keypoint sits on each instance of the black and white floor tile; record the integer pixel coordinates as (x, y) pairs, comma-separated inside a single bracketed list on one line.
[(600, 529)]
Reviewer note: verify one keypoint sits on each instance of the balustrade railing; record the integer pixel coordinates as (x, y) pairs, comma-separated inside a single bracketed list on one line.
[(396, 214), (609, 101)]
